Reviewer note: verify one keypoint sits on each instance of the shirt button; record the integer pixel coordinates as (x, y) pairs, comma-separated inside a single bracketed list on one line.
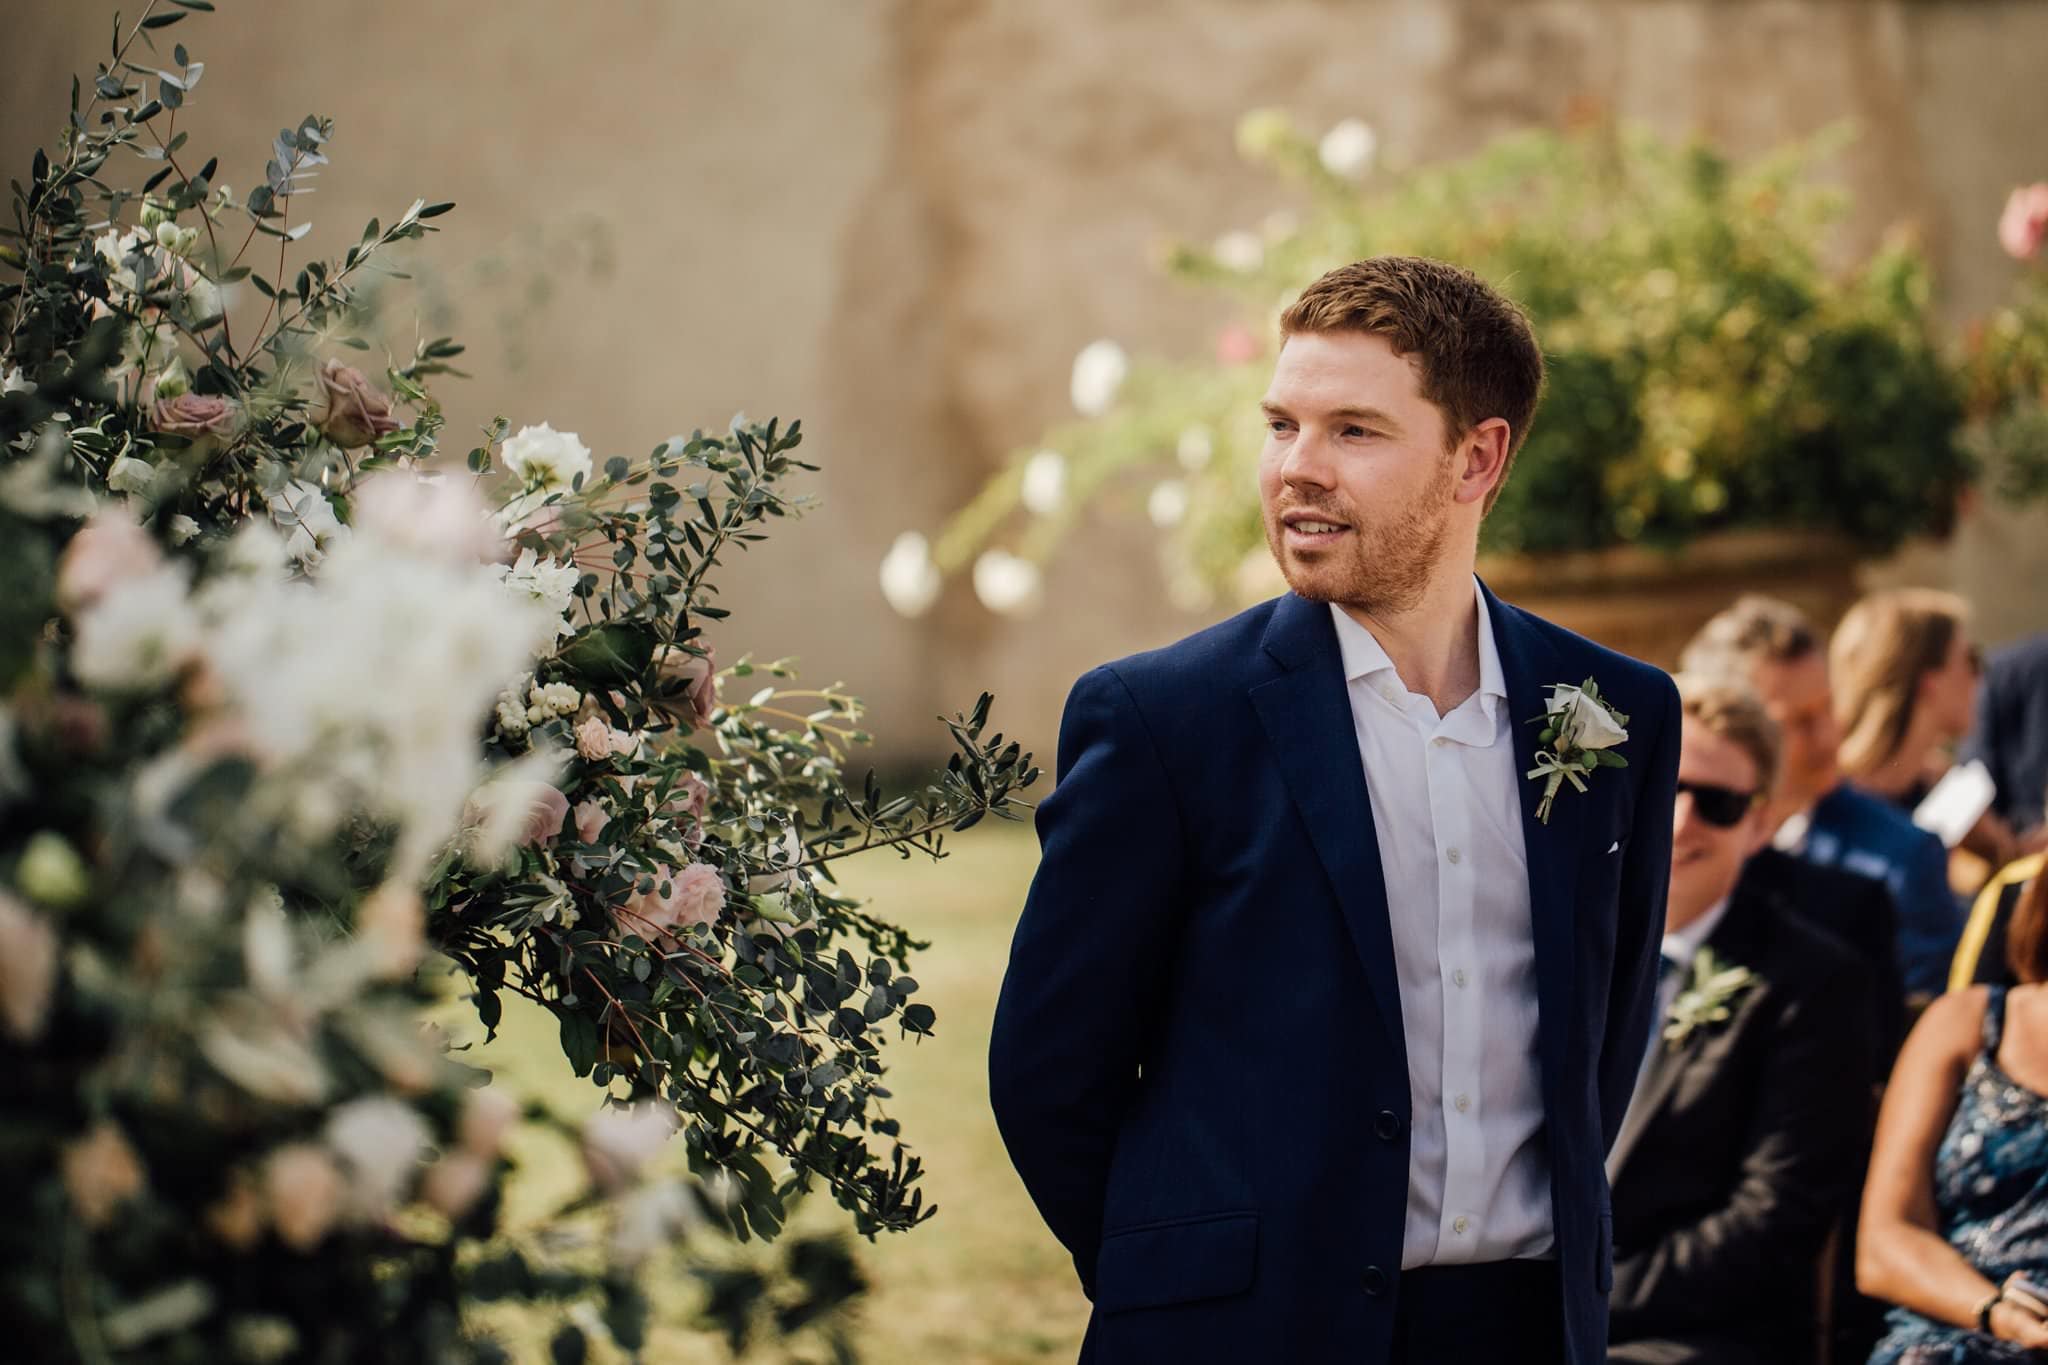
[(1455, 856), (1463, 1102), (1458, 978), (1460, 1223)]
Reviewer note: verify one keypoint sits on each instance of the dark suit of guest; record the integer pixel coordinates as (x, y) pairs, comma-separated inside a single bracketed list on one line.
[(1857, 911), (1739, 1153), (1199, 1063), (2011, 733)]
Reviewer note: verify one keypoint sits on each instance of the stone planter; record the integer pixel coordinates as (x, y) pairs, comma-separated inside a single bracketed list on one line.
[(1650, 603)]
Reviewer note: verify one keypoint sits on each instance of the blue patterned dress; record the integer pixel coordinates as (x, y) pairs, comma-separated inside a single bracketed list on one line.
[(1991, 1195)]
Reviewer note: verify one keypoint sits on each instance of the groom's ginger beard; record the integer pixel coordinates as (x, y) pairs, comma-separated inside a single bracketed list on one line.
[(1383, 565)]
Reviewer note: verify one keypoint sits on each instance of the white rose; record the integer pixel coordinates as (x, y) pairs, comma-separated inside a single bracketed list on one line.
[(1240, 251), (546, 458), (1348, 149), (909, 578), (1099, 373), (1168, 505), (1006, 584), (1588, 723), (1045, 483), (130, 475)]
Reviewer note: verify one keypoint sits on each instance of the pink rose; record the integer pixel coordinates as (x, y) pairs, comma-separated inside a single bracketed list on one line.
[(697, 677), (304, 1187), (591, 818), (1235, 345), (2024, 223), (687, 801), (108, 550), (194, 415), (101, 1172), (695, 896), (546, 809), (594, 739), (357, 412)]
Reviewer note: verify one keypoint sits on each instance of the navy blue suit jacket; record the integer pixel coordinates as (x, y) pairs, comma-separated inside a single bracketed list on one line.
[(1198, 1064)]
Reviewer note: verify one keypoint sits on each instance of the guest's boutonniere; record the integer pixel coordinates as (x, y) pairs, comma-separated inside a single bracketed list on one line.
[(1707, 997), (1579, 734)]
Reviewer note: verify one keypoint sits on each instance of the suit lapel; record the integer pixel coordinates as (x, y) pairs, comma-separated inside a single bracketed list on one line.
[(1530, 664), (1306, 712), (1734, 940)]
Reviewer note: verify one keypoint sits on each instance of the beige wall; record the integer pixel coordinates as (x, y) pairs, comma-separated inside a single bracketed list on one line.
[(899, 221)]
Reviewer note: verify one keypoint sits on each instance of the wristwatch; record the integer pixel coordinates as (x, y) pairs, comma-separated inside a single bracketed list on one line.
[(1984, 1310)]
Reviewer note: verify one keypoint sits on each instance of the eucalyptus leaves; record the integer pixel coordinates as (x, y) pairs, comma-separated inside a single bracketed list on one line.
[(1707, 998)]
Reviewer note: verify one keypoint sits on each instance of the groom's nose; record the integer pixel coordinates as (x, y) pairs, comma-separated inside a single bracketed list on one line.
[(1308, 463)]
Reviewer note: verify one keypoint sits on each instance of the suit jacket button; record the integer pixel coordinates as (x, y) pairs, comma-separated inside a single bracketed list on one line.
[(1375, 1281), (1387, 1125)]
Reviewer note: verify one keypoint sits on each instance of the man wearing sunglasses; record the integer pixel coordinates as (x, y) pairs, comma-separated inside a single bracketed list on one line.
[(1742, 1146)]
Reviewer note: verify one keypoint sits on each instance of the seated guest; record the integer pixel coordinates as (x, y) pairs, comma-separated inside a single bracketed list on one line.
[(1957, 1199), (1858, 913), (1743, 1144), (1905, 682), (1771, 646), (2010, 737), (1981, 958)]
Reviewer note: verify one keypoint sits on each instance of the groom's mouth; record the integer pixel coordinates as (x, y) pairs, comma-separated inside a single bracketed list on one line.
[(1307, 532)]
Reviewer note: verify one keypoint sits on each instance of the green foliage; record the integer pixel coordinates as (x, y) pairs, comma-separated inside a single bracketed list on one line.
[(1707, 369), (217, 869)]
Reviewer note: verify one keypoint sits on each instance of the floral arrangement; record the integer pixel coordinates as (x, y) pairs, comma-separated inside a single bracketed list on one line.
[(1706, 370), (2005, 366), (289, 707)]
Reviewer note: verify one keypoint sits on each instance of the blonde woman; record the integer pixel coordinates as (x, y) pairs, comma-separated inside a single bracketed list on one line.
[(1905, 685)]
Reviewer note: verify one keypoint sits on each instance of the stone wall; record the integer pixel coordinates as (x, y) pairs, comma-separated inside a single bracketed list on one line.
[(899, 221)]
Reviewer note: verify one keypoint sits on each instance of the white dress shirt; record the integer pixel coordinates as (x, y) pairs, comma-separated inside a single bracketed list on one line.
[(1446, 806)]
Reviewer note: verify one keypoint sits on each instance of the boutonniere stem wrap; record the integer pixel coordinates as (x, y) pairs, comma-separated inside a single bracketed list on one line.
[(1580, 732), (1707, 998)]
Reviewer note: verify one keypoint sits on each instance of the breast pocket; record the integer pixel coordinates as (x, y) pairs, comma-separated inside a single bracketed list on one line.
[(1181, 1261)]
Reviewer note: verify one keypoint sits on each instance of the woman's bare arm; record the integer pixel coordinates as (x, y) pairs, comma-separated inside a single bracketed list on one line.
[(1901, 1256)]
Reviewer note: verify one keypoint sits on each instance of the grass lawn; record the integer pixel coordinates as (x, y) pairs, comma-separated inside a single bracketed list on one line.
[(983, 1282)]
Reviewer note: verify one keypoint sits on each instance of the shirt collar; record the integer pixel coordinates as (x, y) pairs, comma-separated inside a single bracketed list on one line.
[(1684, 944), (1364, 657)]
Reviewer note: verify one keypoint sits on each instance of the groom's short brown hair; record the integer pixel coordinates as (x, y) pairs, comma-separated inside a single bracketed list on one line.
[(1476, 353)]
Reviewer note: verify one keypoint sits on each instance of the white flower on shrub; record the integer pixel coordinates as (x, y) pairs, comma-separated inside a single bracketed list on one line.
[(910, 581), (1240, 251), (1045, 483), (545, 458), (1099, 373), (618, 1141), (15, 382), (1195, 449), (1168, 505), (140, 633), (380, 1141), (1348, 149), (115, 248), (1006, 584), (301, 511), (649, 1219), (548, 582)]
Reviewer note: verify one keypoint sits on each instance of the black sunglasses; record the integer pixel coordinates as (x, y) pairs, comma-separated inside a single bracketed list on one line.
[(1722, 807)]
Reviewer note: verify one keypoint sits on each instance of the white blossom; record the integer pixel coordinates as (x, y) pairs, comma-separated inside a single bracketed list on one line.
[(1195, 449), (545, 581), (910, 581), (1168, 505), (545, 458), (301, 510), (140, 633), (1348, 149), (1006, 584), (182, 529), (1045, 483), (15, 382), (1099, 373), (1240, 251), (130, 475), (619, 1141), (1589, 723), (380, 1141)]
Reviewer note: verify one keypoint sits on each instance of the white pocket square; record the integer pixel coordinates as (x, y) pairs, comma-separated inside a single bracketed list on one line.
[(1614, 847)]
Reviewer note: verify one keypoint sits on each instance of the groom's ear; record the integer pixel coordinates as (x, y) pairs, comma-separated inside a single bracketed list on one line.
[(1482, 460)]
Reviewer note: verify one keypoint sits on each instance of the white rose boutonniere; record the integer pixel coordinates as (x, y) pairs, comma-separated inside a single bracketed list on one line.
[(1707, 997), (1580, 732)]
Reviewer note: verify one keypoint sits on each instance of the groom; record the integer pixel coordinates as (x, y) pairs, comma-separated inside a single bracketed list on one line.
[(1315, 1035)]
